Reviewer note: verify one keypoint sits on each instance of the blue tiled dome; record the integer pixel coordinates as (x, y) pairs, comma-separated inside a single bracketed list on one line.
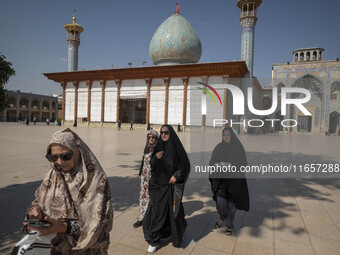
[(175, 42)]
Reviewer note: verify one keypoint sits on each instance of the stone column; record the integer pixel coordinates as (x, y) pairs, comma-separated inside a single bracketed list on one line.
[(50, 110), (75, 84), (89, 86), (225, 98), (18, 108), (30, 107), (185, 99), (103, 85), (40, 109), (118, 84), (148, 86), (166, 83), (63, 85)]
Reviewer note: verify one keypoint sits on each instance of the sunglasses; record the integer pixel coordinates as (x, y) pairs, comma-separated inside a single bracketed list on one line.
[(63, 157), (164, 132), (151, 137)]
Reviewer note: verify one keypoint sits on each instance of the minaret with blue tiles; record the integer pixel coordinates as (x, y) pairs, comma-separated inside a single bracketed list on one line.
[(73, 41), (248, 21)]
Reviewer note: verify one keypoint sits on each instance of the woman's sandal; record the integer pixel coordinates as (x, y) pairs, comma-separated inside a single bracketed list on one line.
[(228, 231), (218, 224)]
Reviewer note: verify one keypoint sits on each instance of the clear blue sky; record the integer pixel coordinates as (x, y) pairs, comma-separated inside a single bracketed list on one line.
[(33, 38)]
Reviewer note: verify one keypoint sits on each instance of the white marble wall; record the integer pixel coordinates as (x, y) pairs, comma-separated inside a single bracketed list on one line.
[(82, 100), (157, 100), (194, 101), (110, 107), (214, 111), (130, 85), (175, 107), (157, 106), (96, 98), (69, 101)]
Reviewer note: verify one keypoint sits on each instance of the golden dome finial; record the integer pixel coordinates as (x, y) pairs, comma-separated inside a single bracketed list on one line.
[(74, 16), (177, 7)]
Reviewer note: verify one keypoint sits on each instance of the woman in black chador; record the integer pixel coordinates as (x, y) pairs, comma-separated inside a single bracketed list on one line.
[(170, 168), (230, 189)]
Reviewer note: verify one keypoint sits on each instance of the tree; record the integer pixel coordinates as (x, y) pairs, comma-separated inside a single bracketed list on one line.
[(6, 71)]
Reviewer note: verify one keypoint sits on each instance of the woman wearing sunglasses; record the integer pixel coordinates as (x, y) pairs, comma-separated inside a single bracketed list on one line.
[(170, 168), (145, 174), (74, 197)]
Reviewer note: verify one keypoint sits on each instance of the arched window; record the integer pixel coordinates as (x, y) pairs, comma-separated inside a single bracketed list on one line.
[(296, 57), (23, 103), (312, 84), (35, 104), (11, 102), (308, 56), (45, 105), (302, 56), (314, 55)]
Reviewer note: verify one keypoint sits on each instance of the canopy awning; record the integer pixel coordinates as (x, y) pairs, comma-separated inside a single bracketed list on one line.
[(132, 95)]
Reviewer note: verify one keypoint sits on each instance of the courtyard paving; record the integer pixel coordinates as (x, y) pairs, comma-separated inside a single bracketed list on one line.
[(287, 215)]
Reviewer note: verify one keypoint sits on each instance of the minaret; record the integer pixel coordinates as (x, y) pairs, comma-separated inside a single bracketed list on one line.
[(73, 41), (248, 22)]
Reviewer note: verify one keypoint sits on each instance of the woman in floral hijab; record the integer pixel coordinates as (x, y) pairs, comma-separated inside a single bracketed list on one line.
[(144, 175), (74, 197)]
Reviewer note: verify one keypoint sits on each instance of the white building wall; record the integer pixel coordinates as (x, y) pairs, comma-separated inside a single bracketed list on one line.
[(130, 85), (157, 101), (96, 101), (194, 101), (157, 106), (214, 111), (69, 101), (110, 107), (175, 107), (82, 100)]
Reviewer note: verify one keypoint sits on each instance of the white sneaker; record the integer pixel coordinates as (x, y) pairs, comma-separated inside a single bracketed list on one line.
[(152, 249)]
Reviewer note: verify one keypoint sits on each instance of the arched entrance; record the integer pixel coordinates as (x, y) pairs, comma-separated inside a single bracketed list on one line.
[(334, 122)]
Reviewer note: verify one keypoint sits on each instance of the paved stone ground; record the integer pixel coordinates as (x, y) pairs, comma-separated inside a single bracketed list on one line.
[(287, 216)]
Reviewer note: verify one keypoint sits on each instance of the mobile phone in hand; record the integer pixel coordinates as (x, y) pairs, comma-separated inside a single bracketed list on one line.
[(36, 223)]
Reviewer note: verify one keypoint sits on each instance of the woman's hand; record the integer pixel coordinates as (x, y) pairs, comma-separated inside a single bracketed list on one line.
[(56, 227), (34, 213), (159, 154), (173, 179)]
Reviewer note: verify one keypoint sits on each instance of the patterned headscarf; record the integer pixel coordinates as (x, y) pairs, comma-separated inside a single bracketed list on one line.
[(149, 147), (82, 194)]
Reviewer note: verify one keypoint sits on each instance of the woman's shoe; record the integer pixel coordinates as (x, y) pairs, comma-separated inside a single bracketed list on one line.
[(137, 224), (228, 231), (218, 224), (152, 249)]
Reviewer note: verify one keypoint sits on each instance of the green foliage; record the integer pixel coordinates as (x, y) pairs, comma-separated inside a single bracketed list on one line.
[(6, 71)]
